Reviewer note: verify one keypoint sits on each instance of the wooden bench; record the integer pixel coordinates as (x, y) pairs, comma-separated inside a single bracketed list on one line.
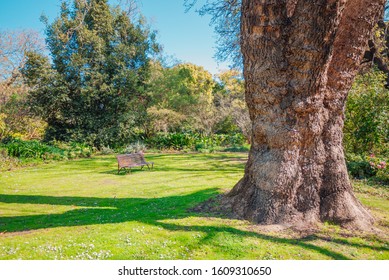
[(132, 160)]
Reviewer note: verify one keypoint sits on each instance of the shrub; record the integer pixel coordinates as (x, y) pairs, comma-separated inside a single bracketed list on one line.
[(74, 149), (106, 150), (380, 167), (383, 176), (371, 166), (359, 167), (81, 150), (135, 148), (194, 141), (175, 141), (50, 151), (32, 149), (7, 162)]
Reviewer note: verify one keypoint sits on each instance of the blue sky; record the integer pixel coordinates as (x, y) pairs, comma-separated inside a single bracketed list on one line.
[(186, 36)]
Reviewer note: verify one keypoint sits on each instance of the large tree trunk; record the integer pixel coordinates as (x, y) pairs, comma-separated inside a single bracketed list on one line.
[(300, 58)]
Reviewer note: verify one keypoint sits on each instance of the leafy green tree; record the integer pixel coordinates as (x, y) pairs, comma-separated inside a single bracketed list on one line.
[(183, 93), (366, 127), (231, 104), (16, 119), (93, 89)]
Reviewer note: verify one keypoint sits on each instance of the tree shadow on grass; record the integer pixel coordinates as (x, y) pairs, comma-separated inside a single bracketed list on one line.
[(126, 171), (220, 163), (213, 167), (152, 211)]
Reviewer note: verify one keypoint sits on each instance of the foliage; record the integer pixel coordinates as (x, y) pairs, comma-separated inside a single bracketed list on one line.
[(194, 141), (383, 175), (366, 127), (231, 103), (94, 87), (2, 124), (185, 97), (238, 148), (368, 167), (13, 48), (37, 150), (359, 166), (380, 167), (75, 149), (32, 149), (135, 147), (16, 119), (181, 96), (366, 131), (164, 120), (174, 141), (106, 150), (7, 162), (100, 87)]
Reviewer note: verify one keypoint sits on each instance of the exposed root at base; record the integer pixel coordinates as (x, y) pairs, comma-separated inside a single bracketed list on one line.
[(220, 206)]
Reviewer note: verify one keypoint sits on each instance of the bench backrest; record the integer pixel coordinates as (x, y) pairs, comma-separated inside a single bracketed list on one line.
[(130, 159)]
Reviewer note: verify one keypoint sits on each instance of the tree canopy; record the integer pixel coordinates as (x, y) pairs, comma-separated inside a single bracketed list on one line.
[(94, 84)]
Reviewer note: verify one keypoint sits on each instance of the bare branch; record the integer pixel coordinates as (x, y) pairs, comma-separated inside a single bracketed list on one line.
[(131, 7), (13, 46)]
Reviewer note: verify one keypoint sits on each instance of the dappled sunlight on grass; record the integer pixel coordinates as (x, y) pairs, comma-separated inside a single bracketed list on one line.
[(83, 209)]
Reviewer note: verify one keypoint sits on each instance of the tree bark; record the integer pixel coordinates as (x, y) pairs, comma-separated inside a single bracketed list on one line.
[(300, 59)]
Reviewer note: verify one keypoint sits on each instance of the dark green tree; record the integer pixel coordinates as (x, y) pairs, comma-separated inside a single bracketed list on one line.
[(93, 89)]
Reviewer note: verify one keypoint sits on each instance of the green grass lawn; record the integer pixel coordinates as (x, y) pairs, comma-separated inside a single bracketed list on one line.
[(82, 209)]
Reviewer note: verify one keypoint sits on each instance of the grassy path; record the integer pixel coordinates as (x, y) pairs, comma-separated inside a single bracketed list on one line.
[(83, 210)]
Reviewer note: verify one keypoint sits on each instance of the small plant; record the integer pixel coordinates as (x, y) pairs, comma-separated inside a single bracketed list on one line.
[(368, 167), (7, 162), (380, 167), (81, 150), (106, 150), (135, 148), (359, 166), (376, 163)]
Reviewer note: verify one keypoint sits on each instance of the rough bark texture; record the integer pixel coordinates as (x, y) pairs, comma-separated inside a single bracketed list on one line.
[(300, 58)]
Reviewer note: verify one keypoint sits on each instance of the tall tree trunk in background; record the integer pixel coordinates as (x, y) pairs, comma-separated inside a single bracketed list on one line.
[(300, 59)]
